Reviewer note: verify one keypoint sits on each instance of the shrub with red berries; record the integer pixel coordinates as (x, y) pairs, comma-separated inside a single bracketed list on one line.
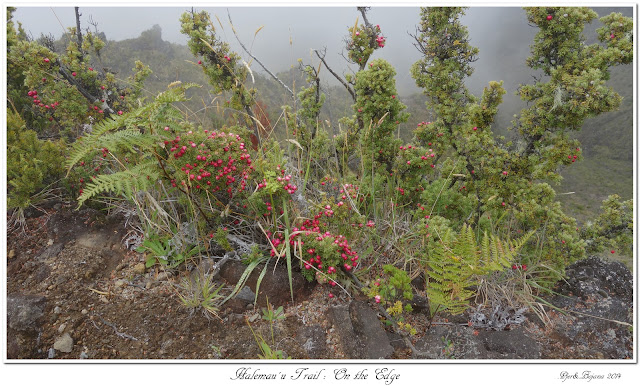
[(362, 42), (324, 255), (210, 164), (63, 89)]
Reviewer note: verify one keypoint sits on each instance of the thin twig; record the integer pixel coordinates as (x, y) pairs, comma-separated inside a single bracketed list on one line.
[(258, 61), (115, 329), (344, 83), (99, 292)]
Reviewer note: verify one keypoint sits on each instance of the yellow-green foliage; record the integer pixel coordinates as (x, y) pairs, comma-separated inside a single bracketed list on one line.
[(456, 261), (613, 228), (31, 163)]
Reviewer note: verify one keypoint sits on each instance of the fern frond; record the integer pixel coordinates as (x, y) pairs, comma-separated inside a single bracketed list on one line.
[(85, 145), (165, 115), (174, 94), (457, 261), (518, 244), (128, 139), (140, 177), (160, 112)]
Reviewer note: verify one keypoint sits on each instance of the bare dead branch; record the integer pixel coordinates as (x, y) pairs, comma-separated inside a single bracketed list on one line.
[(94, 24), (79, 31), (88, 96), (363, 11), (344, 83)]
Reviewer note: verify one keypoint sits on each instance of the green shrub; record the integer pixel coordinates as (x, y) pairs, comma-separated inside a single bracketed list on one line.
[(32, 164)]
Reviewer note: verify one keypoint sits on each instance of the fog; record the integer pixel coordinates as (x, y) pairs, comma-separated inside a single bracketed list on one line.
[(288, 33)]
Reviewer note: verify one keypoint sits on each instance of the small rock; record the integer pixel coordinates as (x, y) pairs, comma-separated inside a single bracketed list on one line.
[(148, 285), (51, 354), (205, 267), (57, 310), (84, 311), (233, 318), (50, 242), (42, 274), (61, 328), (420, 304), (162, 276), (11, 254), (24, 311), (139, 268), (315, 341), (50, 253), (275, 286), (514, 344), (246, 294), (103, 299), (249, 306), (372, 337), (64, 343), (397, 341), (84, 355), (253, 318), (120, 283)]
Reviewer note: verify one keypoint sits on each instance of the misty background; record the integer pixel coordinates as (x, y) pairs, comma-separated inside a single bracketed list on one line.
[(502, 35), (495, 31)]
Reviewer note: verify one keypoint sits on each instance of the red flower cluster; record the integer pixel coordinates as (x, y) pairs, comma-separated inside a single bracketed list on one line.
[(219, 162), (573, 157), (37, 101), (338, 252), (380, 39), (518, 266)]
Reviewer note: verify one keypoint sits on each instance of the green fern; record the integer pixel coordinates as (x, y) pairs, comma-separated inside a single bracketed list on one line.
[(128, 139), (126, 182), (86, 145), (159, 113), (456, 263), (132, 132)]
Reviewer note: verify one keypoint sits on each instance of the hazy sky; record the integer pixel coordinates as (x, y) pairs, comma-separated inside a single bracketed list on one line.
[(496, 31), (308, 27)]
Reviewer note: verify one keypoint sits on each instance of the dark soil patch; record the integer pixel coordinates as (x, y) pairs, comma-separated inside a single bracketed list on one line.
[(70, 273)]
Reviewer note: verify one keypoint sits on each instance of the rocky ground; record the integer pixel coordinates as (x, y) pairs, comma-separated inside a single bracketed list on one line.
[(76, 292)]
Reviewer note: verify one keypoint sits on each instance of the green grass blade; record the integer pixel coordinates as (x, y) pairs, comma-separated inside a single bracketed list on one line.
[(264, 271), (243, 279)]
